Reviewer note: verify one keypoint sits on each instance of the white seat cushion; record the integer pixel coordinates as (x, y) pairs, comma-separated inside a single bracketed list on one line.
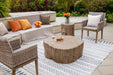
[(93, 20), (90, 28)]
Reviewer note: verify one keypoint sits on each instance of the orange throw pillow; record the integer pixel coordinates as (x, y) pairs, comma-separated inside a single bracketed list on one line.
[(15, 25), (25, 24)]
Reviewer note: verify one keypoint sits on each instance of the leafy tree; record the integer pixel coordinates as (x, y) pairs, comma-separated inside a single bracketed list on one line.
[(91, 5), (65, 4), (81, 6), (15, 4), (4, 8), (97, 5), (109, 6)]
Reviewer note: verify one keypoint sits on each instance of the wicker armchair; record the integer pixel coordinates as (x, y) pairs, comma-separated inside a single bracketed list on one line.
[(95, 29), (14, 57)]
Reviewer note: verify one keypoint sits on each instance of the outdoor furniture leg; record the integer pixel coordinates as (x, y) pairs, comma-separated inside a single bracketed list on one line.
[(36, 66), (13, 72), (102, 34), (88, 33), (96, 36), (81, 33)]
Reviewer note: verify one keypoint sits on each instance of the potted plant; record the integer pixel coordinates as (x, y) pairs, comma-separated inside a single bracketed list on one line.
[(67, 15)]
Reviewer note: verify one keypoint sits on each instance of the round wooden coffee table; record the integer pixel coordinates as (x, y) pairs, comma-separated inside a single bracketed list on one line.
[(66, 51)]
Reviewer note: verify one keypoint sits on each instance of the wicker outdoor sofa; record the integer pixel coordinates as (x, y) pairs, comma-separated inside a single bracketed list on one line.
[(16, 52), (31, 18)]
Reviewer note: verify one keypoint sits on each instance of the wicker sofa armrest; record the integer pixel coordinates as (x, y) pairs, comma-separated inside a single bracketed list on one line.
[(25, 48), (2, 39), (100, 25), (5, 47), (84, 23), (24, 54)]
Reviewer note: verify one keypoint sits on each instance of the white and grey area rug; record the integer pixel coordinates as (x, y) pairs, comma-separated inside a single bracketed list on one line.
[(93, 55)]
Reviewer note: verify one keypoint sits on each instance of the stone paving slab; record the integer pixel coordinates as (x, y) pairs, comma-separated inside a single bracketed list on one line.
[(106, 67)]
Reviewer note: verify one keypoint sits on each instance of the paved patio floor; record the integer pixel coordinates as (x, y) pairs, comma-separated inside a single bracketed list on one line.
[(106, 67)]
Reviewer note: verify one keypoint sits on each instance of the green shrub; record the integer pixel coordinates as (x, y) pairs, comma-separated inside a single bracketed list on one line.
[(65, 4), (4, 8), (81, 6), (75, 13), (97, 5), (30, 5), (109, 18), (14, 5), (60, 14), (84, 6), (109, 6)]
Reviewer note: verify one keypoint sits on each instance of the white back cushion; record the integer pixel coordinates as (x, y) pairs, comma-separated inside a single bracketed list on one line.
[(3, 29), (93, 20)]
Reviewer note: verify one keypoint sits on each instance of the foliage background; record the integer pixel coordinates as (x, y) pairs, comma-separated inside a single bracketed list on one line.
[(4, 8), (75, 7)]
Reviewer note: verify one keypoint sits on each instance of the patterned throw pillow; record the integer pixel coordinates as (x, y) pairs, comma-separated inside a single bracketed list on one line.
[(25, 24), (15, 44), (3, 29), (15, 25), (45, 19)]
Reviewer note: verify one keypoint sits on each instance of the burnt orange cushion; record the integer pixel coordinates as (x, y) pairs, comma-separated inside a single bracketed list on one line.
[(25, 24), (15, 25)]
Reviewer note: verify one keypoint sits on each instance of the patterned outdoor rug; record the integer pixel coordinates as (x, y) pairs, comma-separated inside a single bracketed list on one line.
[(93, 55)]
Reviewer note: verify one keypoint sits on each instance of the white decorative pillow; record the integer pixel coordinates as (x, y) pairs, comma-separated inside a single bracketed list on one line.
[(3, 29), (93, 20)]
